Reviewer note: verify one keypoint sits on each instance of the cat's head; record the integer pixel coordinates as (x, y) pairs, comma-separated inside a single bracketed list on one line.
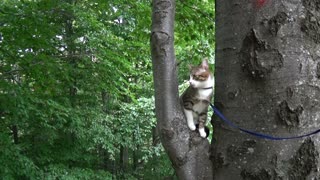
[(200, 76)]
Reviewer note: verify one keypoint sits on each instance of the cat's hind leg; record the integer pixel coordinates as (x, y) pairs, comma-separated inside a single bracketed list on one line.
[(202, 132), (202, 121)]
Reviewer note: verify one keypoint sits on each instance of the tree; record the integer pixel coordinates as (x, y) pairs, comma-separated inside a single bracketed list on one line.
[(267, 74), (267, 80), (188, 152), (75, 87), (69, 89)]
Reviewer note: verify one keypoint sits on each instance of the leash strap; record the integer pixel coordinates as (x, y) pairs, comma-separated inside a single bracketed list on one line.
[(257, 134)]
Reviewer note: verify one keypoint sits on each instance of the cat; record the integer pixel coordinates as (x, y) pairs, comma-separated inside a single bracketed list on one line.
[(196, 98)]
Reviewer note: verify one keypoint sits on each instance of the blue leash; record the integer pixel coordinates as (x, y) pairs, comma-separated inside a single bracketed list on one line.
[(257, 134)]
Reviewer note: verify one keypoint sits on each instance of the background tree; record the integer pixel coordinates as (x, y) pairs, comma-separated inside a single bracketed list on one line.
[(267, 80), (67, 84), (76, 91)]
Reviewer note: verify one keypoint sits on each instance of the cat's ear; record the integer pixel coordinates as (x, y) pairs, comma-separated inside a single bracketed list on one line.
[(205, 64)]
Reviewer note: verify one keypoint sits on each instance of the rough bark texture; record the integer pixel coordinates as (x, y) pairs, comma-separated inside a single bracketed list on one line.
[(188, 152), (267, 80)]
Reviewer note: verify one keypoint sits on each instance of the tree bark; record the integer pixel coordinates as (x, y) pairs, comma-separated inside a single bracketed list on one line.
[(188, 152), (267, 80), (124, 159), (14, 129)]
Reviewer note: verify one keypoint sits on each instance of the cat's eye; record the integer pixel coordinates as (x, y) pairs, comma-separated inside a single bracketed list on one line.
[(199, 77), (196, 77)]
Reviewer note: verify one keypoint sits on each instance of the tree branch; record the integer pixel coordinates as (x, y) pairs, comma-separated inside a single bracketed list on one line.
[(188, 152)]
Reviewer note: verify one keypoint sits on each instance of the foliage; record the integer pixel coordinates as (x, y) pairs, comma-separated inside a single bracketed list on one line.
[(194, 33), (76, 86)]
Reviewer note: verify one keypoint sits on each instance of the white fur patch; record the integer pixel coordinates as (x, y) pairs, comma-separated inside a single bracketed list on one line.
[(199, 107), (202, 132), (205, 93)]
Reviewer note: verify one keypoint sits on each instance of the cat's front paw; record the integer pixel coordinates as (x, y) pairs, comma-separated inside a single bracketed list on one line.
[(202, 133), (192, 127)]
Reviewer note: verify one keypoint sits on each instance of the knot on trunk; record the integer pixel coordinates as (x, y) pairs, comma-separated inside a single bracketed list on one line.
[(257, 58)]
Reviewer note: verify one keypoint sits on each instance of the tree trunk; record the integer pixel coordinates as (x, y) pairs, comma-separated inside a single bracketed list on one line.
[(124, 159), (135, 159), (188, 152), (267, 80), (14, 129)]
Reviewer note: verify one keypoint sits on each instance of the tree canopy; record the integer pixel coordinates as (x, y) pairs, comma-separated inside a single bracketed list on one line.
[(76, 90)]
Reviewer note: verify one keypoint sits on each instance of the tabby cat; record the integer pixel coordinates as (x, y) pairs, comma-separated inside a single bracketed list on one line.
[(197, 96)]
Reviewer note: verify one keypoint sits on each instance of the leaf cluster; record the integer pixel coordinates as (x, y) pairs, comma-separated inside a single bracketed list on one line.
[(76, 86)]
